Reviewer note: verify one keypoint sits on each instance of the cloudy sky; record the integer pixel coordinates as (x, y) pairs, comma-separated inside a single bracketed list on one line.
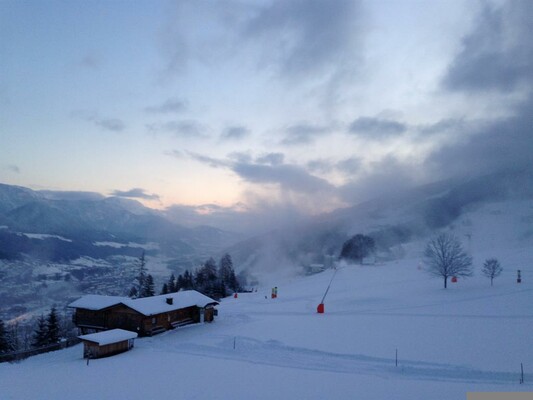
[(290, 106)]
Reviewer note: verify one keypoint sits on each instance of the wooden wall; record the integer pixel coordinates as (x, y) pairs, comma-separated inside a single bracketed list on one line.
[(126, 318), (93, 350)]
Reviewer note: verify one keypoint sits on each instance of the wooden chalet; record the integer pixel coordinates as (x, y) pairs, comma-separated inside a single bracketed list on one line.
[(107, 343), (147, 316)]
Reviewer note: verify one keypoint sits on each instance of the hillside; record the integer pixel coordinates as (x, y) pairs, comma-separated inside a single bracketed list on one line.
[(402, 221), (470, 337)]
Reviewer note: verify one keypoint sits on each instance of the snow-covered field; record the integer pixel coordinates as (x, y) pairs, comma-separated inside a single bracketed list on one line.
[(470, 337)]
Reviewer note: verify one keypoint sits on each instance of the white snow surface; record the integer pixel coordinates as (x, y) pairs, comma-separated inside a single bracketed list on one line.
[(108, 337), (470, 337), (146, 305), (116, 245), (42, 236), (97, 301)]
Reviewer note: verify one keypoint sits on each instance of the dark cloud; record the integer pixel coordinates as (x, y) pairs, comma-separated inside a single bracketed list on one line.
[(302, 134), (105, 123), (110, 124), (258, 217), (498, 53), (376, 128), (169, 106), (386, 176), (182, 128), (349, 165), (323, 166), (304, 37), (445, 126), (239, 156), (13, 168), (271, 159), (289, 177), (504, 144), (235, 133), (212, 162), (135, 193)]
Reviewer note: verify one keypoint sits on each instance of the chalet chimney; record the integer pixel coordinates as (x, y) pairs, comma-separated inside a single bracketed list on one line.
[(170, 300)]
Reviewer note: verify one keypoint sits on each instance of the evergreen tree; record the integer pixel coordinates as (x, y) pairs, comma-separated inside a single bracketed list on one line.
[(5, 342), (52, 327), (357, 248), (233, 283), (188, 283), (148, 289), (171, 285), (40, 335), (226, 266), (164, 290), (180, 283), (134, 293), (140, 280), (226, 274), (206, 278)]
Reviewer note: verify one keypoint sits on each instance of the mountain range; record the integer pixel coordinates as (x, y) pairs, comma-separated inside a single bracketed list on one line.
[(58, 226)]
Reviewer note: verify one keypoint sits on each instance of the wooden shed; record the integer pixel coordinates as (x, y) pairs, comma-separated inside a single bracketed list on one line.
[(147, 316), (107, 343)]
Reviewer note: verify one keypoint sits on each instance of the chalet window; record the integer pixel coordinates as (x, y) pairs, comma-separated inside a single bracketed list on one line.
[(153, 321)]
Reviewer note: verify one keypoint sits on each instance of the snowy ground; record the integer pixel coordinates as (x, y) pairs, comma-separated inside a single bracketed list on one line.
[(470, 337)]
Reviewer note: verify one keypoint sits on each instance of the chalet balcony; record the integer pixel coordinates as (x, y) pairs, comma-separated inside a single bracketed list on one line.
[(89, 321)]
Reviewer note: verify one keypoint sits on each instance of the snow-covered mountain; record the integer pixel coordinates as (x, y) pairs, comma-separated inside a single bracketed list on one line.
[(86, 220), (55, 246)]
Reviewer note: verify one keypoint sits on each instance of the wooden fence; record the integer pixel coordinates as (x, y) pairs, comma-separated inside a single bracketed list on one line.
[(21, 355)]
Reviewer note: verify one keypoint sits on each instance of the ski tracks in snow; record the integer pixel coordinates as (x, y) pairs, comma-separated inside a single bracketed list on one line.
[(275, 353)]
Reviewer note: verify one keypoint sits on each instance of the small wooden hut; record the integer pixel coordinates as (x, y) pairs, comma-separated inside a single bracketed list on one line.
[(107, 343)]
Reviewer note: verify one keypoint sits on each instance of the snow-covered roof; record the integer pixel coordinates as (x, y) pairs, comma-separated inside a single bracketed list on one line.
[(97, 301), (108, 337), (158, 304), (146, 305)]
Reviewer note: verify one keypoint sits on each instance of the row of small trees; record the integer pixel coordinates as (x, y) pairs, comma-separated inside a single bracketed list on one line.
[(209, 279), (47, 330), (443, 254), (446, 258)]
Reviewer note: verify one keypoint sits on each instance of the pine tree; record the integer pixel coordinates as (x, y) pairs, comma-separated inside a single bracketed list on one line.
[(226, 266), (40, 335), (140, 280), (180, 283), (188, 283), (226, 274), (233, 283), (171, 285), (134, 293), (206, 278), (52, 326), (148, 289), (5, 343), (164, 290)]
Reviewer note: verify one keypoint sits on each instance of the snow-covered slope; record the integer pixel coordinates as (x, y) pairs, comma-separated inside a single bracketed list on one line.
[(470, 337)]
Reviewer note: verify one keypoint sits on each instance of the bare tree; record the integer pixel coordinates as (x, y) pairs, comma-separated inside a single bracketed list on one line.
[(492, 269), (445, 257)]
